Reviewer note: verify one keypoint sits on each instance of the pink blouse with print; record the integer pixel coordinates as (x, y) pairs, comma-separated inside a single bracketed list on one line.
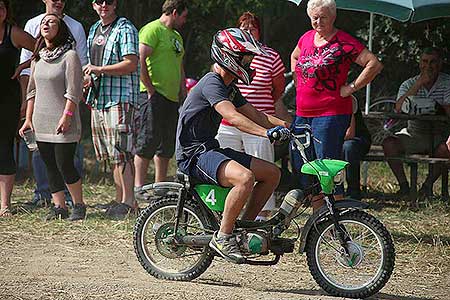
[(321, 71)]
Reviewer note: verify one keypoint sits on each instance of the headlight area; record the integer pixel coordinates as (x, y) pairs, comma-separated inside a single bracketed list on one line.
[(339, 177)]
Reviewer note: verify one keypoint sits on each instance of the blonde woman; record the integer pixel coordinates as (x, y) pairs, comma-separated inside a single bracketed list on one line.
[(321, 62)]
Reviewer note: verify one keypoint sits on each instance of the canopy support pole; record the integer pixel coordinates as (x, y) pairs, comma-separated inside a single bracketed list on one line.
[(365, 164), (368, 87)]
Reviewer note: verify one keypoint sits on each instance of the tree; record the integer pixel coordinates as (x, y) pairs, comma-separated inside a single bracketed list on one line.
[(395, 43)]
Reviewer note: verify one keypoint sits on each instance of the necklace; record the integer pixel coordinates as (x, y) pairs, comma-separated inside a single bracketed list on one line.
[(102, 31), (100, 40)]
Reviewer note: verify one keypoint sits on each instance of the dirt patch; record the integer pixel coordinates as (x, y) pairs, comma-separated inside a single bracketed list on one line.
[(95, 259), (81, 264)]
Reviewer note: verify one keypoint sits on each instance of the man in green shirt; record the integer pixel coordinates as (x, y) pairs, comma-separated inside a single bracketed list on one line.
[(162, 85)]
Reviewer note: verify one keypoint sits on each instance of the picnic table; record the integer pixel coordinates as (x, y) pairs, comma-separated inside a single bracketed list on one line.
[(412, 160)]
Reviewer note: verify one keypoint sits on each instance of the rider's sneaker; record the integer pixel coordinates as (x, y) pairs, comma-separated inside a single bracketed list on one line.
[(227, 247)]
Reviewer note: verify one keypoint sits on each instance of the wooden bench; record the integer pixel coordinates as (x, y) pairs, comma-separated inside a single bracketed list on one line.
[(412, 160)]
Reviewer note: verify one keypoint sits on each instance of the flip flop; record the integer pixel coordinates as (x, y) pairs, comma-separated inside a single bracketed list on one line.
[(5, 213)]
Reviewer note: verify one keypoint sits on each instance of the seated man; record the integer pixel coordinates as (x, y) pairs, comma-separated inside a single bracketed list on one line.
[(420, 136), (197, 151), (357, 143)]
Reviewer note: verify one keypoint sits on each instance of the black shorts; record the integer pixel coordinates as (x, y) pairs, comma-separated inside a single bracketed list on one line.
[(207, 164), (157, 127)]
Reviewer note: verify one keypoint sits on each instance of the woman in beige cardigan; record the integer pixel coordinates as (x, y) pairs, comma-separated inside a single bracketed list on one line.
[(53, 94)]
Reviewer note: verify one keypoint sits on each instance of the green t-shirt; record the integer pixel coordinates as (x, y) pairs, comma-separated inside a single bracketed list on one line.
[(164, 65)]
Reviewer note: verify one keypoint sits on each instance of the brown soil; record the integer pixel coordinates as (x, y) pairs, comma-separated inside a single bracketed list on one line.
[(95, 259), (73, 262)]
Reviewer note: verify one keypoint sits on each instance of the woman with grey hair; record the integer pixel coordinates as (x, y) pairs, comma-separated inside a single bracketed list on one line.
[(321, 62)]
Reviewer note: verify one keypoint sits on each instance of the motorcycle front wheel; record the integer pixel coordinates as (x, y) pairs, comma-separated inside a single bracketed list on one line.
[(364, 268), (154, 240)]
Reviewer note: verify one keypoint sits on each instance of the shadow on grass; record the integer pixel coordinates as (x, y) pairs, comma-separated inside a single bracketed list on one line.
[(422, 238), (378, 296), (97, 215), (379, 200)]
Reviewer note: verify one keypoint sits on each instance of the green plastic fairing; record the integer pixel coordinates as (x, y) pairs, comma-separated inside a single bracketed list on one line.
[(325, 170)]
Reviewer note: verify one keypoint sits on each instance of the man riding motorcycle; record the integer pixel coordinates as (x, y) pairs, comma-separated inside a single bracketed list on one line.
[(197, 151)]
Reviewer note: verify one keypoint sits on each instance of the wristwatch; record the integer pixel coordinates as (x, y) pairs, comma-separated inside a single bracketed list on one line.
[(352, 85)]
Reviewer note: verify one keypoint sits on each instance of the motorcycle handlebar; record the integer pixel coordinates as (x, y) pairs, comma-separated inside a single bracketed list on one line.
[(307, 135)]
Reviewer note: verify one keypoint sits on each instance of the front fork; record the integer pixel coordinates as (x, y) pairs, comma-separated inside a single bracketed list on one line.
[(180, 206), (341, 235)]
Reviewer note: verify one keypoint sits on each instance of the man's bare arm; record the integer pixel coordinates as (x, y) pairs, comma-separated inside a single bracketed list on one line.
[(145, 52)]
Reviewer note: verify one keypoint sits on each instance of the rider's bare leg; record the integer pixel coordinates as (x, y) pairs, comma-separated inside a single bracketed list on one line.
[(242, 180), (267, 176)]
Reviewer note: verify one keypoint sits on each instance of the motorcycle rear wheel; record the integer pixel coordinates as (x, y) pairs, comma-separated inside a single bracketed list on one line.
[(152, 241), (370, 263)]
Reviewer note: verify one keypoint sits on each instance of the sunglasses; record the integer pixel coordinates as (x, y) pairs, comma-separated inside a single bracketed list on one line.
[(100, 2)]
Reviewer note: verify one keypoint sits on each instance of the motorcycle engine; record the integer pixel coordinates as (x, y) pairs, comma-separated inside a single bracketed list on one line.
[(254, 242)]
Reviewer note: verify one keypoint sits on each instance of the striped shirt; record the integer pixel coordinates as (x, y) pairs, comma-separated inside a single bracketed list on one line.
[(259, 92), (113, 90)]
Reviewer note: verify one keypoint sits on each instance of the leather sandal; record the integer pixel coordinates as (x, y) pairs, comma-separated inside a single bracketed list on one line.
[(5, 212)]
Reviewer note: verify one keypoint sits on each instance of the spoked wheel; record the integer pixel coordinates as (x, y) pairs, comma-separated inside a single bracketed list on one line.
[(156, 248), (367, 267)]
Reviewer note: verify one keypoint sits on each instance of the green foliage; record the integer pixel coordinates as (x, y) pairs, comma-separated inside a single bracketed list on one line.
[(399, 45), (396, 44)]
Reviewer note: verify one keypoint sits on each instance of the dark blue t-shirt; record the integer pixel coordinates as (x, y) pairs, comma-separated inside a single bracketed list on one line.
[(199, 121)]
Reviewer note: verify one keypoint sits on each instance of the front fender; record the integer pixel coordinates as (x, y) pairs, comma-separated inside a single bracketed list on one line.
[(322, 215)]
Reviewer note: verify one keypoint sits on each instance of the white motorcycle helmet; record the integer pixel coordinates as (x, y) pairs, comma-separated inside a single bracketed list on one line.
[(233, 49)]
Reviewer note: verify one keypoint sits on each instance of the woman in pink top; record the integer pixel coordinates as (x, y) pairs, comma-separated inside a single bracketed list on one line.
[(321, 61), (264, 94)]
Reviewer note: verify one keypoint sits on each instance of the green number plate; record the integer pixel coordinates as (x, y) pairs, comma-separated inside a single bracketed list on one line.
[(214, 196)]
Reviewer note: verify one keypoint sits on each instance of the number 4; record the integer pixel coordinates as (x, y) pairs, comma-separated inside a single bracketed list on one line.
[(211, 197)]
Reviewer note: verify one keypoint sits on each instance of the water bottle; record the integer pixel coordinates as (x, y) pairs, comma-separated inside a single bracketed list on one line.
[(292, 200)]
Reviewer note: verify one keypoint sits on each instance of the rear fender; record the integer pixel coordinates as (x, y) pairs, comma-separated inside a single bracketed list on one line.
[(323, 214), (163, 185)]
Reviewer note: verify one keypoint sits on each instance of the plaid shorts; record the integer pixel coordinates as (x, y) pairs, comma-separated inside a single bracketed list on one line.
[(113, 133)]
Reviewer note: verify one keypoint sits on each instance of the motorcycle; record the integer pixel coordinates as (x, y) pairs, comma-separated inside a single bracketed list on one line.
[(349, 252)]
